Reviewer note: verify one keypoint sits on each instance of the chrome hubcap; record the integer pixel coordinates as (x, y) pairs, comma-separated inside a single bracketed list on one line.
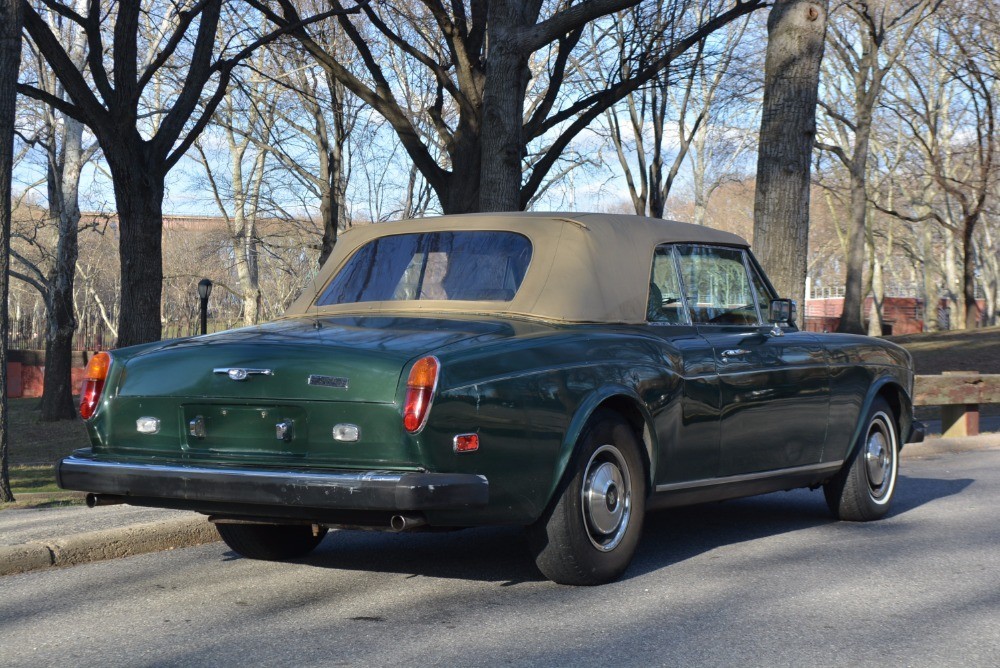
[(876, 458), (880, 457), (606, 497)]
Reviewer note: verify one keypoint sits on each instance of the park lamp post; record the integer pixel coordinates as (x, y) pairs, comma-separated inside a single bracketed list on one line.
[(204, 290)]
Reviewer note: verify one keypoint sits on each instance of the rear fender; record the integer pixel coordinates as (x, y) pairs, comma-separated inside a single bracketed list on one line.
[(585, 411)]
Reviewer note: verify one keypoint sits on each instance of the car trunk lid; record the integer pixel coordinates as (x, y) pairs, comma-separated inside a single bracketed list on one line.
[(330, 359), (274, 394)]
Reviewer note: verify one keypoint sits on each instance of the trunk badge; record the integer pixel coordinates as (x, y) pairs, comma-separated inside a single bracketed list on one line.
[(337, 382), (237, 373)]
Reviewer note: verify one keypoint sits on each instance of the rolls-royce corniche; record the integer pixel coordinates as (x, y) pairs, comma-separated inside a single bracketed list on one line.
[(562, 372)]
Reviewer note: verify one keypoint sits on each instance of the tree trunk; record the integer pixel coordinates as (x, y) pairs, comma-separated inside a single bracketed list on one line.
[(467, 185), (333, 196), (57, 393), (698, 166), (657, 203), (878, 297), (247, 269), (951, 281), (850, 317), (139, 195), (10, 62), (969, 275), (929, 289), (988, 256), (503, 110), (796, 30)]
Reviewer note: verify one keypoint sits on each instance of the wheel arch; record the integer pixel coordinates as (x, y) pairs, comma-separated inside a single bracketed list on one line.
[(899, 401), (627, 403)]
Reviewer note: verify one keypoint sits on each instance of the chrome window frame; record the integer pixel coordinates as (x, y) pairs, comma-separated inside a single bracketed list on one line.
[(744, 254), (672, 247)]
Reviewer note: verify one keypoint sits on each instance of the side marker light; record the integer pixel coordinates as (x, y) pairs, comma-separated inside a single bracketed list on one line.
[(466, 442)]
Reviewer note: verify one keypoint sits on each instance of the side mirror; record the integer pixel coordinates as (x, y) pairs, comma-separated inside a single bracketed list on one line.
[(781, 312)]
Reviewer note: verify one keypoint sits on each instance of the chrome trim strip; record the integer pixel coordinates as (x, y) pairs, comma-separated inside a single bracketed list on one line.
[(534, 372), (831, 467), (239, 373), (772, 369), (338, 478), (867, 365)]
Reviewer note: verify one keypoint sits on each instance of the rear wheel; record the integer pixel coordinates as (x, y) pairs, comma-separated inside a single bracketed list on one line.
[(863, 490), (589, 535), (271, 542)]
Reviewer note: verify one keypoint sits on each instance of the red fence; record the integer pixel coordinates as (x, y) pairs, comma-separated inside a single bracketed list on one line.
[(26, 372), (900, 315)]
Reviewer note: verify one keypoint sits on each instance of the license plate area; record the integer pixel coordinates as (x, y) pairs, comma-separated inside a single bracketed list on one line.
[(269, 430)]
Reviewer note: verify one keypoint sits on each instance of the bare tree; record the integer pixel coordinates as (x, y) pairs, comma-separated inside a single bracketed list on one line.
[(947, 97), (866, 40), (795, 37), (479, 57), (142, 142), (246, 113), (687, 95), (61, 141), (320, 120), (10, 64)]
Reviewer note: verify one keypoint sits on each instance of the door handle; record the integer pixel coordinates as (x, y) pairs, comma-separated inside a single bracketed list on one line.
[(734, 352)]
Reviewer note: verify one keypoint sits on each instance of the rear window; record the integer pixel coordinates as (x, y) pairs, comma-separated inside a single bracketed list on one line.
[(456, 266)]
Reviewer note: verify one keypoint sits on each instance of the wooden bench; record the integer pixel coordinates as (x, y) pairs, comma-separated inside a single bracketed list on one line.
[(959, 394)]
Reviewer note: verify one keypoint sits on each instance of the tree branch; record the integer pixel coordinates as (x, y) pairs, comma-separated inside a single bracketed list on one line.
[(48, 98), (90, 111), (573, 18)]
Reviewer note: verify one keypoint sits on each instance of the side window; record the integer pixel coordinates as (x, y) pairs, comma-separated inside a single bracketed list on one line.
[(666, 304), (716, 285)]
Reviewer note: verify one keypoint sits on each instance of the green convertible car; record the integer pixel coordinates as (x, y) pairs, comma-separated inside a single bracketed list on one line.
[(564, 372)]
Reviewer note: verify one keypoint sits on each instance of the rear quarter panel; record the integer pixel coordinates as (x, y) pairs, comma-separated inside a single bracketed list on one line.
[(527, 399)]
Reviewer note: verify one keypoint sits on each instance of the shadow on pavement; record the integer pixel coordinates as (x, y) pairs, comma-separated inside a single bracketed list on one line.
[(914, 492), (500, 554)]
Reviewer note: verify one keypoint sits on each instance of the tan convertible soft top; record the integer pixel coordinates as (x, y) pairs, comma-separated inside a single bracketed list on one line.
[(585, 267)]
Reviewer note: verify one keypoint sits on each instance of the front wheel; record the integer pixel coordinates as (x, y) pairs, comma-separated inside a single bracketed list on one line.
[(271, 542), (863, 490), (589, 534)]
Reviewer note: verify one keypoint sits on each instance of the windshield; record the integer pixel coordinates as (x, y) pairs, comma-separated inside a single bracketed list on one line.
[(457, 266)]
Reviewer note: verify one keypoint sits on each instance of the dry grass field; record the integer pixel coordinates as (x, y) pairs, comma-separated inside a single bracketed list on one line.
[(962, 350)]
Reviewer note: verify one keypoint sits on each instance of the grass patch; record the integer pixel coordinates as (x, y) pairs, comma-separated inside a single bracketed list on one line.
[(33, 479), (34, 448), (35, 487), (961, 350), (35, 442)]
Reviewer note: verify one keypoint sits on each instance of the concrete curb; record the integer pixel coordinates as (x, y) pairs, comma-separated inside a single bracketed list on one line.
[(107, 544)]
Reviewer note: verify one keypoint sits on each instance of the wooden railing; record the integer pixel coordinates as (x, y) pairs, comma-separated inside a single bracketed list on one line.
[(959, 394)]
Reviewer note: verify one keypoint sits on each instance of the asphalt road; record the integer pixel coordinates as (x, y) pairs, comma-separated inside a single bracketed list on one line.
[(767, 581)]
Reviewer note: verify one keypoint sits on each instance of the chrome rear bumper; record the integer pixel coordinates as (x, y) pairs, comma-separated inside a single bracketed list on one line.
[(319, 489)]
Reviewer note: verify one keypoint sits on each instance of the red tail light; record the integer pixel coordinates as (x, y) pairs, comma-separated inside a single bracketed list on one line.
[(93, 384), (419, 393)]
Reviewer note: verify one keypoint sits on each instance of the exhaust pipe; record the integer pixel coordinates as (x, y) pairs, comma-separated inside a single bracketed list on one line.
[(94, 500), (406, 522)]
